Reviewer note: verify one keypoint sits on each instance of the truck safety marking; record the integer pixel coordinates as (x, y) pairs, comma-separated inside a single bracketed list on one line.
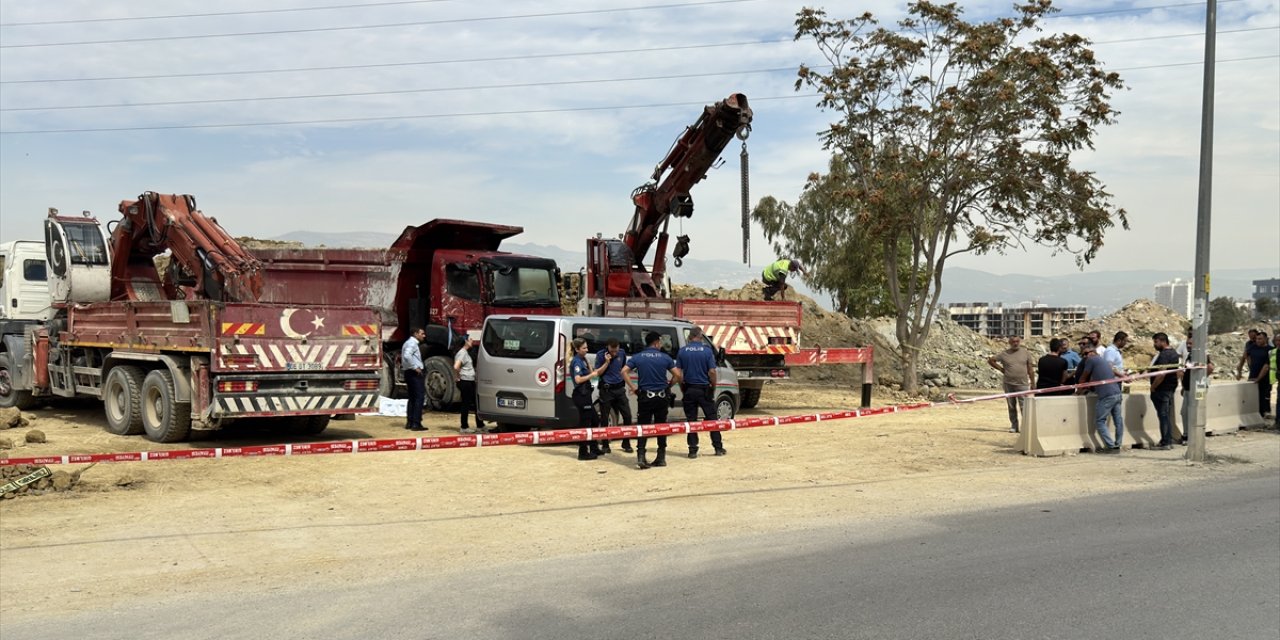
[(362, 330), (314, 357), (244, 329), (268, 404), (531, 437)]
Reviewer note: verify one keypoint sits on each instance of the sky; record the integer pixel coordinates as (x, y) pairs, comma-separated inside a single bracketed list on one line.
[(546, 114)]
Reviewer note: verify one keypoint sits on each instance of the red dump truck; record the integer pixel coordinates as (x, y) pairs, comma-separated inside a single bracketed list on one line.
[(181, 343), (445, 276)]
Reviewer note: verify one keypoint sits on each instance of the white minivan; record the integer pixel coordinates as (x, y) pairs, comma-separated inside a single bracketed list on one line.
[(521, 365)]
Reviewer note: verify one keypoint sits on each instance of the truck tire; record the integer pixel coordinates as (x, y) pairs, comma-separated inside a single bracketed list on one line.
[(725, 408), (313, 425), (442, 393), (10, 397), (750, 398), (164, 418), (122, 400)]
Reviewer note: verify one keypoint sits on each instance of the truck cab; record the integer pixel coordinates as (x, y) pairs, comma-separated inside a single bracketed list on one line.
[(445, 276), (24, 282)]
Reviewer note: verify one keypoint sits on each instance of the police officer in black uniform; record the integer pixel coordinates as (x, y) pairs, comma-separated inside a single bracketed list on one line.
[(651, 366), (582, 392), (613, 391), (696, 363)]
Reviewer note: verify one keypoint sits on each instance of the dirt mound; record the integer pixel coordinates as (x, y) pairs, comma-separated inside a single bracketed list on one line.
[(259, 243), (26, 479), (953, 356)]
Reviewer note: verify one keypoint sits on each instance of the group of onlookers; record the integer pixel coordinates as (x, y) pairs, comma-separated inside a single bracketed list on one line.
[(1058, 373)]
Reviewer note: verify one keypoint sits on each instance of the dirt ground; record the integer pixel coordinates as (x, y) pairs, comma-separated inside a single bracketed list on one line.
[(132, 533)]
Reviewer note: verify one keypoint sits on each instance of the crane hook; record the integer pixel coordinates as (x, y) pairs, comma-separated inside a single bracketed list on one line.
[(681, 250)]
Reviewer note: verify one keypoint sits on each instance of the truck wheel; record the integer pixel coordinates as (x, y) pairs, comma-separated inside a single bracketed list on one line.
[(164, 418), (724, 407), (750, 398), (442, 393), (313, 425), (122, 400), (10, 397)]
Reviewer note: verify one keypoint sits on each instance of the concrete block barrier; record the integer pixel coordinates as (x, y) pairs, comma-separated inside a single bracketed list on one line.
[(1230, 406), (1058, 425), (1141, 424)]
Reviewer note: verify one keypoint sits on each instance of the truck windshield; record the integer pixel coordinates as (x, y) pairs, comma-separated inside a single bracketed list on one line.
[(525, 287), (517, 338)]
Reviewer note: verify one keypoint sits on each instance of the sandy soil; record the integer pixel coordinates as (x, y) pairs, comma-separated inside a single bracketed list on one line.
[(136, 532)]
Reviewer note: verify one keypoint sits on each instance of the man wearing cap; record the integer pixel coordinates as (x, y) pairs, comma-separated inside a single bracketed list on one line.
[(696, 363), (651, 366), (775, 277)]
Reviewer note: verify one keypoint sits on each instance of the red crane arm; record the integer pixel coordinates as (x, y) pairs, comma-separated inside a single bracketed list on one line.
[(686, 164), (204, 255)]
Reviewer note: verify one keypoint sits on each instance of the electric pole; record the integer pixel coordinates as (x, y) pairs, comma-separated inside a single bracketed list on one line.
[(1200, 315)]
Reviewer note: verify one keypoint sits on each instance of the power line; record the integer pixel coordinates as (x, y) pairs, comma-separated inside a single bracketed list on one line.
[(519, 85), (375, 26), (231, 125), (498, 86), (532, 56), (1134, 9), (221, 13), (392, 118), (404, 64)]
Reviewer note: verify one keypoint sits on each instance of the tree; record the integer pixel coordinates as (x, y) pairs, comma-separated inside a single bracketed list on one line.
[(952, 137), (1267, 308), (1225, 315)]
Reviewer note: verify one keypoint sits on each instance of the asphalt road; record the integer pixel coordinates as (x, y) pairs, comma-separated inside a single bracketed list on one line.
[(1199, 562)]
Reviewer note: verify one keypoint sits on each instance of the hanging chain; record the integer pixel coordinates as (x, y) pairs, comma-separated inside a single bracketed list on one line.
[(746, 206)]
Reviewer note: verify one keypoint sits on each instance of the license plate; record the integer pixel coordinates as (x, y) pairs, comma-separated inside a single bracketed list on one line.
[(304, 366), (511, 403)]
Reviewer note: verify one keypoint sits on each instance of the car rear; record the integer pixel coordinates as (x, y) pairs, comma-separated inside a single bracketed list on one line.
[(520, 372)]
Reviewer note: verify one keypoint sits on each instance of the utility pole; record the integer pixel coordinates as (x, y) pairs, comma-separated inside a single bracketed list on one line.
[(1200, 314)]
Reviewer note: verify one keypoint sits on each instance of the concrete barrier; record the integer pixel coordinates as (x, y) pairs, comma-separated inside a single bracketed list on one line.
[(1058, 425), (1141, 424), (1230, 406)]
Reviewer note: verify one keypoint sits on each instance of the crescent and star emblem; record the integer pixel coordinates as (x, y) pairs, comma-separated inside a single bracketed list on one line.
[(286, 324)]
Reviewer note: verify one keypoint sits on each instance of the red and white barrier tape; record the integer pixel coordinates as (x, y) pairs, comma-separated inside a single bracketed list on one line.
[(520, 438)]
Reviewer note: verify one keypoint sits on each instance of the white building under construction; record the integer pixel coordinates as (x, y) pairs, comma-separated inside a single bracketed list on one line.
[(1026, 319)]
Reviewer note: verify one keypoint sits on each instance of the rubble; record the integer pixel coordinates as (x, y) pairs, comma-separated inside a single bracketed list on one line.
[(35, 480), (11, 418)]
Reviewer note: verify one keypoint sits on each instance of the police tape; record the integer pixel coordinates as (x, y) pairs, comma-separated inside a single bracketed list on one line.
[(524, 438)]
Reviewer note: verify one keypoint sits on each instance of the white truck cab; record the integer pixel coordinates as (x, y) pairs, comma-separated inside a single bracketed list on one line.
[(24, 282)]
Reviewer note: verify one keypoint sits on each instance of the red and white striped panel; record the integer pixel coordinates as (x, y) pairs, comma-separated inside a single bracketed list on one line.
[(313, 357), (753, 338)]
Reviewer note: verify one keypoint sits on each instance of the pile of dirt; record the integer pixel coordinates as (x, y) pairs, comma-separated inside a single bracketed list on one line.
[(259, 243), (26, 479), (953, 356)]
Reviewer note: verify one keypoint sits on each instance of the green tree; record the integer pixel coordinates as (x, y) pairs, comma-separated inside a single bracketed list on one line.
[(841, 259), (1267, 308), (956, 137), (1225, 316)]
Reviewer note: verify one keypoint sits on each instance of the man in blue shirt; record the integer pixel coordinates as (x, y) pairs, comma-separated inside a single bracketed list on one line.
[(696, 362), (1096, 368), (1072, 358), (651, 366), (613, 391), (411, 365)]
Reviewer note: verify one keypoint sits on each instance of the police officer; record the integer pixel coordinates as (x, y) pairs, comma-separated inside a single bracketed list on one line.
[(613, 391), (651, 366), (775, 276), (582, 391), (696, 363)]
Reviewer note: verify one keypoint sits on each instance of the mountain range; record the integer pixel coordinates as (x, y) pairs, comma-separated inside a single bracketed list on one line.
[(1100, 291)]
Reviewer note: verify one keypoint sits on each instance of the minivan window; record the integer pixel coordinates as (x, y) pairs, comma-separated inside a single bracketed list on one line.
[(518, 338), (597, 336), (669, 344)]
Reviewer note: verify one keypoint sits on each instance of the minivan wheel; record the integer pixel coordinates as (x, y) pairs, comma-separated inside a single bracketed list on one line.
[(725, 409)]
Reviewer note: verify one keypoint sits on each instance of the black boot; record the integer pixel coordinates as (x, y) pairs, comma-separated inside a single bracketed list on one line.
[(693, 452), (594, 445), (604, 447), (661, 460), (640, 461), (583, 454), (626, 445)]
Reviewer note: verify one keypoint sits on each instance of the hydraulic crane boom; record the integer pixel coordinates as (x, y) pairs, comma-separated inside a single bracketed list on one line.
[(616, 268), (205, 259)]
